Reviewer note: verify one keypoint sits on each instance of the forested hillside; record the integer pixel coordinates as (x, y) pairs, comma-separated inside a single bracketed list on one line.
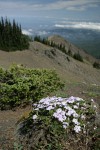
[(11, 37)]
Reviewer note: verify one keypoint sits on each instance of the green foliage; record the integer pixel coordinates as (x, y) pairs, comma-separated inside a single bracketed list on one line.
[(11, 37), (37, 38), (96, 65), (20, 85), (96, 139), (17, 147), (48, 133), (77, 56)]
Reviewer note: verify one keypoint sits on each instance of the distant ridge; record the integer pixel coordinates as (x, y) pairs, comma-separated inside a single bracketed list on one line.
[(58, 39)]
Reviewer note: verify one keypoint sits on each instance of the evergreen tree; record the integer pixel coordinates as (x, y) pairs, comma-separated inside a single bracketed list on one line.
[(96, 65), (77, 56), (11, 37), (69, 52)]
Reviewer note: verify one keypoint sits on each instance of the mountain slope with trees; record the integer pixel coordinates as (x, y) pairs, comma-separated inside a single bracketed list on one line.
[(11, 37)]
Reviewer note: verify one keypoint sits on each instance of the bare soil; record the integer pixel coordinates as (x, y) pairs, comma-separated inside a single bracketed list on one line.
[(8, 120)]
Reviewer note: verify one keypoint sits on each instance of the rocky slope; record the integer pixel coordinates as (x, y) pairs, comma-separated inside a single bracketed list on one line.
[(43, 56)]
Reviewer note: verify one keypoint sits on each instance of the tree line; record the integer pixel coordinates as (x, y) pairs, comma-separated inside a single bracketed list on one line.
[(60, 46), (50, 43), (11, 37)]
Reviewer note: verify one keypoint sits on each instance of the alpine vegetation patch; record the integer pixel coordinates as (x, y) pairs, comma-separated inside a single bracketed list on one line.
[(58, 123)]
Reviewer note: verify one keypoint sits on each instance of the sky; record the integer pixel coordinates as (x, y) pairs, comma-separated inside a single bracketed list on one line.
[(59, 12)]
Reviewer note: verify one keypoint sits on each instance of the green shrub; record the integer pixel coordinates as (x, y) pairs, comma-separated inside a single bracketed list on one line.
[(20, 85), (96, 139)]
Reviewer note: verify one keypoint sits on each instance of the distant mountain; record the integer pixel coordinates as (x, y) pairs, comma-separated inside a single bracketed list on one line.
[(84, 38), (58, 39), (40, 55)]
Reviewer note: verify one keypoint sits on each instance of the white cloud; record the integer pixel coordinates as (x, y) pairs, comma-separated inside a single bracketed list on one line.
[(60, 4), (72, 4), (76, 8), (81, 7), (30, 30), (27, 32), (80, 25), (18, 9), (42, 33)]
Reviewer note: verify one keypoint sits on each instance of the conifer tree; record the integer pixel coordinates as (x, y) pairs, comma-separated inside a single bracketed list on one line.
[(11, 37)]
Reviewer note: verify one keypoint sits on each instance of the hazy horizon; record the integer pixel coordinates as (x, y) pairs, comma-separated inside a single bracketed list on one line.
[(73, 19)]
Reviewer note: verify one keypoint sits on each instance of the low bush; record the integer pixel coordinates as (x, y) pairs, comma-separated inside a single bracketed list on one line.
[(20, 85)]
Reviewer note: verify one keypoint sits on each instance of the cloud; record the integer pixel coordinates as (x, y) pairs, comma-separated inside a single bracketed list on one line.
[(27, 32), (82, 7), (80, 25), (52, 9), (71, 5), (42, 33), (55, 5), (34, 32)]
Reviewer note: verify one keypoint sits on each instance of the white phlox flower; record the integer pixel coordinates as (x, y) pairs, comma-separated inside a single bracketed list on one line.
[(71, 100), (40, 106), (49, 108), (35, 117), (83, 117), (75, 115), (60, 115), (75, 106), (92, 100), (95, 127), (75, 121), (79, 99), (77, 128), (36, 109), (64, 110), (42, 100), (72, 112), (59, 110), (65, 125), (64, 103)]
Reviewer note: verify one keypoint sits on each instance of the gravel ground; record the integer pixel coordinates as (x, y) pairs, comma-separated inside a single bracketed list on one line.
[(8, 120)]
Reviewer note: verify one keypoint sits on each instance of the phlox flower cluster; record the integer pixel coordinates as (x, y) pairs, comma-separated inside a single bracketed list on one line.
[(65, 110)]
